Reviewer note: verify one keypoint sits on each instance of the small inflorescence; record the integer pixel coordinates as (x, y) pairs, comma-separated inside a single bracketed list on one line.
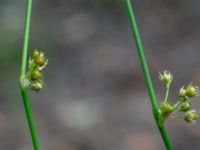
[(183, 104), (34, 75)]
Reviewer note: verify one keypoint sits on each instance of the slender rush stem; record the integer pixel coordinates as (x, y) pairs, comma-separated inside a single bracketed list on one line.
[(26, 38), (147, 76), (24, 90), (30, 119)]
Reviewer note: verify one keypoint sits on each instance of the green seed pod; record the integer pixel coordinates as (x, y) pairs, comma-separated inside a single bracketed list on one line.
[(191, 116), (186, 106), (166, 109), (37, 86), (41, 61), (191, 91), (36, 54), (36, 75)]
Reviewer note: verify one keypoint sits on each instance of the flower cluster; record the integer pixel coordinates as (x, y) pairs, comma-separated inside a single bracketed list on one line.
[(183, 103), (34, 75)]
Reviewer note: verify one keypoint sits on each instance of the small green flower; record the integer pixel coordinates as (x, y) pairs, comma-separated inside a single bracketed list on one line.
[(36, 54), (37, 86), (191, 91), (41, 60), (191, 116), (36, 75), (166, 109), (166, 77), (182, 92), (186, 106)]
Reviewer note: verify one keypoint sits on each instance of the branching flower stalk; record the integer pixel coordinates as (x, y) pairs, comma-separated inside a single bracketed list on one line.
[(183, 104), (155, 107), (33, 77)]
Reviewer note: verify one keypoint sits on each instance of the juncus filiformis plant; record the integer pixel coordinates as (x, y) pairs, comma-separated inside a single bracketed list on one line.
[(155, 107), (33, 77), (167, 109)]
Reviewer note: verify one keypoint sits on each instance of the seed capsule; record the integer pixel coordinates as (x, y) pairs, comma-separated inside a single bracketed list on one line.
[(36, 54), (166, 109), (191, 116), (191, 90), (37, 86), (41, 61), (36, 75), (186, 106)]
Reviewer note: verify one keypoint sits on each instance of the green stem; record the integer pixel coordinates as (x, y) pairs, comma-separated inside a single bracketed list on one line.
[(147, 76), (24, 90), (29, 117), (177, 104), (167, 92), (26, 38)]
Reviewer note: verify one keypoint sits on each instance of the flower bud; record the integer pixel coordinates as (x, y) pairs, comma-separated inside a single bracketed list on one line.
[(186, 106), (37, 86), (182, 92), (36, 75), (191, 116), (166, 109), (36, 54), (192, 91), (166, 77), (41, 61)]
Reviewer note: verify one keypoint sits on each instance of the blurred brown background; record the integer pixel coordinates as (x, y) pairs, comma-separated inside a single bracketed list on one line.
[(95, 96)]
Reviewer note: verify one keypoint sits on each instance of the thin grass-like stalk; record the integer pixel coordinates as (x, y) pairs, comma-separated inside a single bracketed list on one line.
[(24, 90)]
